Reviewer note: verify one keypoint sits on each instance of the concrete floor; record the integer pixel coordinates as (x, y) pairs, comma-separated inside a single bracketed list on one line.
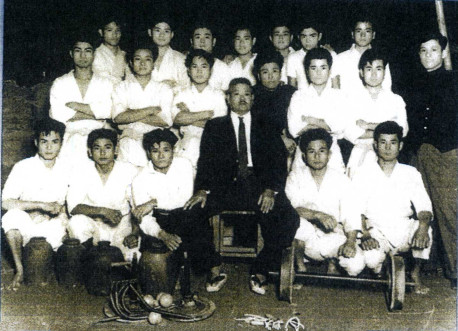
[(319, 306)]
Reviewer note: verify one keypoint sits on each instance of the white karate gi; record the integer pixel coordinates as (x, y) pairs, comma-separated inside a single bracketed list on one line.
[(208, 99), (295, 67), (107, 64), (284, 76), (171, 190), (220, 77), (98, 97), (331, 106), (346, 66), (331, 198), (387, 107), (130, 95), (87, 188), (172, 68), (236, 70), (31, 180), (387, 203)]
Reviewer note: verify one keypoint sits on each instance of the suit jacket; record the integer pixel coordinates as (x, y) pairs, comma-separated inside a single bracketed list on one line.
[(217, 166)]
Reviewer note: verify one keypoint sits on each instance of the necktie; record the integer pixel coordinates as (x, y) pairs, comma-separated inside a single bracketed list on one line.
[(243, 153)]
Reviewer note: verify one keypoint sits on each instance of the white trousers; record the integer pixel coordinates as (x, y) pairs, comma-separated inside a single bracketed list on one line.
[(83, 228), (374, 258), (36, 224), (320, 246)]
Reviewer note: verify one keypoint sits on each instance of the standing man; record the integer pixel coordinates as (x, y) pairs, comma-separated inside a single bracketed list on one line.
[(432, 118), (242, 167)]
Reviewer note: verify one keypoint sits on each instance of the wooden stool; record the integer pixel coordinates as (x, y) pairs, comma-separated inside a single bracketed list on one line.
[(222, 237)]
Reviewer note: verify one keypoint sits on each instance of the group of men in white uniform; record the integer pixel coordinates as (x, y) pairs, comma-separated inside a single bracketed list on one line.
[(85, 193)]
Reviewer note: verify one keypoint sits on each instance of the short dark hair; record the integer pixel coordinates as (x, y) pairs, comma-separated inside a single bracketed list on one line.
[(268, 56), (108, 18), (84, 36), (308, 24), (314, 134), (142, 43), (47, 125), (436, 35), (156, 136), (362, 16), (243, 27), (370, 56), (162, 19), (198, 53), (317, 54), (389, 127), (239, 80), (102, 134), (278, 22), (202, 24)]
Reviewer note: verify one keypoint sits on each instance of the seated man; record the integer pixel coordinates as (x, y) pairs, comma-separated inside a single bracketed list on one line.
[(99, 194), (140, 105), (395, 207), (195, 105), (159, 192), (372, 106), (319, 106), (81, 100), (321, 198), (34, 196), (242, 167)]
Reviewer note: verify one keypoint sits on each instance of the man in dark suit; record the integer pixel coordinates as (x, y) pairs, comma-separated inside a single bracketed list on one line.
[(242, 166)]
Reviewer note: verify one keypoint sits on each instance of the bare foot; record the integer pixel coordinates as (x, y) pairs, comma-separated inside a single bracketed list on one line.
[(421, 289), (300, 266), (18, 279), (332, 268)]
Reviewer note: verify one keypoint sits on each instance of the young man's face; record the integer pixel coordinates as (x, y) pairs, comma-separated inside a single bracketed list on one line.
[(161, 155), (281, 37), (318, 72), (363, 34), (387, 147), (309, 38), (142, 62), (161, 33), (243, 42), (102, 151), (240, 99), (111, 34), (373, 73), (82, 54), (270, 75), (49, 145), (431, 55), (203, 39), (199, 71), (317, 155)]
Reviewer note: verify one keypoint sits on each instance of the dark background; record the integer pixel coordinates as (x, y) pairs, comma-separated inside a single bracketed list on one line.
[(36, 33)]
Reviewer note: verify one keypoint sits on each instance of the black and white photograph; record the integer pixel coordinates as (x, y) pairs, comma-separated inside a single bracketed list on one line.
[(229, 164)]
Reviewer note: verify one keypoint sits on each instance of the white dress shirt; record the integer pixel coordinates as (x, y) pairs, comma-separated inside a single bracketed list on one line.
[(235, 118), (220, 76), (172, 68)]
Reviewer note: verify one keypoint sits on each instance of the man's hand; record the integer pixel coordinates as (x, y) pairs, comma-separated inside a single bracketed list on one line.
[(170, 83), (267, 200), (348, 249), (144, 209), (182, 107), (81, 116), (154, 110), (52, 208), (368, 243), (172, 241), (111, 216), (130, 241), (328, 222), (290, 144), (198, 197), (421, 238)]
